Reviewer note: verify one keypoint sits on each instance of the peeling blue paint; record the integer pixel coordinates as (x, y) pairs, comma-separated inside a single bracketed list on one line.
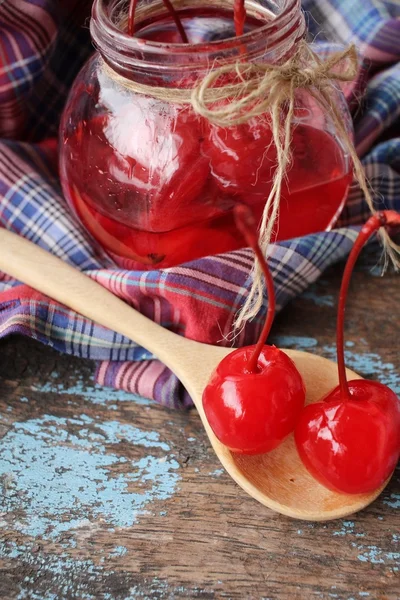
[(94, 393), (347, 529), (367, 363), (393, 501), (62, 467), (376, 556), (69, 576), (163, 589), (33, 596), (318, 298), (119, 551), (293, 341), (217, 472), (71, 542)]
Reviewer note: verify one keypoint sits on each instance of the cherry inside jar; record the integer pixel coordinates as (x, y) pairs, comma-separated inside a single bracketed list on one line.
[(156, 184)]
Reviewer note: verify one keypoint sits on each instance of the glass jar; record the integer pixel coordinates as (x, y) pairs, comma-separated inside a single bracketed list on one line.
[(153, 182)]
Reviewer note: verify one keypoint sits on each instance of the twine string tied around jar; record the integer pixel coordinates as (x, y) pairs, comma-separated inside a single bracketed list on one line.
[(259, 89)]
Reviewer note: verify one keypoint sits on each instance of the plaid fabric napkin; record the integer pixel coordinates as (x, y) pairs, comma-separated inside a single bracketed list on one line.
[(42, 45)]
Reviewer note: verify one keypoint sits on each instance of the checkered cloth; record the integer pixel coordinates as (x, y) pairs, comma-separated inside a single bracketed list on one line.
[(42, 45)]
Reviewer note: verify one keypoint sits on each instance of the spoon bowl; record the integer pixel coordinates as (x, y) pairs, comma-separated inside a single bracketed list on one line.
[(277, 479)]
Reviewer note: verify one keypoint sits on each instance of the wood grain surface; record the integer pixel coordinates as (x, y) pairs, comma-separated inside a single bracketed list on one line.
[(104, 495)]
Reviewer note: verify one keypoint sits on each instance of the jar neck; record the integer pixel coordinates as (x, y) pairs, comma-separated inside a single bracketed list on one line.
[(282, 26)]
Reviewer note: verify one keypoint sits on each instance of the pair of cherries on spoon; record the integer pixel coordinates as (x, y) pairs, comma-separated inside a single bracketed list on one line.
[(349, 441)]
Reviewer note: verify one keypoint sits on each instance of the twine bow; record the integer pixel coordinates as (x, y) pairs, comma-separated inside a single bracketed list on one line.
[(272, 89), (261, 89), (262, 86)]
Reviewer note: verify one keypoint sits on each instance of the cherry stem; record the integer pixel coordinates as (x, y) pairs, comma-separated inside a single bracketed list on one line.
[(131, 17), (239, 16), (172, 12), (246, 224), (380, 219)]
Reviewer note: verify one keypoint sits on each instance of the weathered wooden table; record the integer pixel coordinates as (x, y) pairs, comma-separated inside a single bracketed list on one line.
[(107, 496)]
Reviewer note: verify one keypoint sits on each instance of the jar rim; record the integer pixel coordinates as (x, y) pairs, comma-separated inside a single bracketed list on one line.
[(116, 43)]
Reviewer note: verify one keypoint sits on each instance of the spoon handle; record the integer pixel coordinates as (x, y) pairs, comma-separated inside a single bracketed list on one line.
[(48, 274)]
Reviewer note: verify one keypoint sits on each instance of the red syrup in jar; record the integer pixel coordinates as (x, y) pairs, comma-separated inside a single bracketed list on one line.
[(159, 192)]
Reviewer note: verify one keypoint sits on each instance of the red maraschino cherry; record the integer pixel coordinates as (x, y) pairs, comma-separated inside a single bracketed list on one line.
[(242, 157), (255, 396), (350, 440)]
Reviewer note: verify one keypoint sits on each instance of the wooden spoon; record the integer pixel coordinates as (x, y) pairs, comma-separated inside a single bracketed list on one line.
[(277, 479)]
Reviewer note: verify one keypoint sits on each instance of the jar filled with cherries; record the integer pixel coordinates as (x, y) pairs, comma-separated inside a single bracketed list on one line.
[(156, 183)]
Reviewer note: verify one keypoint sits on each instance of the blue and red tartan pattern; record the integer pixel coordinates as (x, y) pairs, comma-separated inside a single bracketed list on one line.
[(43, 43)]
